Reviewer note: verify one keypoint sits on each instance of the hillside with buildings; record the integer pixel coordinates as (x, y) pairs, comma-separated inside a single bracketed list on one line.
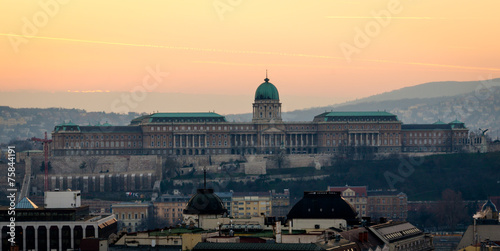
[(24, 123), (476, 103), (477, 109)]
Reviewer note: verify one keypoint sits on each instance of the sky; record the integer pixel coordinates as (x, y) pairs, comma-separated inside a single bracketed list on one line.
[(213, 54)]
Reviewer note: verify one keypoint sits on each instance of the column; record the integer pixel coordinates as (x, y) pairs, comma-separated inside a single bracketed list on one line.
[(348, 139), (276, 140), (72, 236), (372, 143), (192, 139), (60, 238), (301, 140), (307, 139), (24, 237), (84, 231), (48, 236), (174, 140), (36, 238)]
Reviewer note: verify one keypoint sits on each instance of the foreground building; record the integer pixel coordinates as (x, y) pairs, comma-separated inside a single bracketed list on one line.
[(485, 230), (169, 208), (390, 204), (130, 215), (322, 210), (355, 195), (210, 133), (61, 225)]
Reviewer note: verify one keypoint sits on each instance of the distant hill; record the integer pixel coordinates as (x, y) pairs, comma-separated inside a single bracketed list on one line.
[(405, 96), (477, 103), (23, 123)]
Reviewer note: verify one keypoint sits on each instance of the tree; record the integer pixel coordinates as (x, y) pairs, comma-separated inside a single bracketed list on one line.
[(91, 163), (42, 167), (152, 222), (280, 159), (171, 168), (83, 165), (451, 209)]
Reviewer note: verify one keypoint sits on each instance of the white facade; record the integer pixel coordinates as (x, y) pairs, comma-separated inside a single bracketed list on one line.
[(318, 223), (62, 199)]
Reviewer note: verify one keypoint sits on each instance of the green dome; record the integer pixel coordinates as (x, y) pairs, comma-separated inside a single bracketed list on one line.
[(267, 91)]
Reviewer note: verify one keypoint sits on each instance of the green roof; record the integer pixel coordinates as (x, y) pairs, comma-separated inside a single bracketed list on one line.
[(456, 122), (352, 114), (439, 122), (66, 126), (186, 115), (267, 91)]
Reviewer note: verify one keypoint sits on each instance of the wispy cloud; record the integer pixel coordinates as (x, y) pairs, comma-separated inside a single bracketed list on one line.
[(255, 52), (88, 91), (416, 18)]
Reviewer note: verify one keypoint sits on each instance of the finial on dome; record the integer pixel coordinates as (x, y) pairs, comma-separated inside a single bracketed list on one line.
[(266, 79)]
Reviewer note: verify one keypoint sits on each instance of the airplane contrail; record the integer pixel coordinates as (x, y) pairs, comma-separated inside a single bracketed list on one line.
[(250, 52)]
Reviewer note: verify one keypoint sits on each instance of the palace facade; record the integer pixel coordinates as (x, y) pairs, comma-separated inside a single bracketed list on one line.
[(210, 133)]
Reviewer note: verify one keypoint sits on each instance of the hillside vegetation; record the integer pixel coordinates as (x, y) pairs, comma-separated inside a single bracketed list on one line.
[(475, 175)]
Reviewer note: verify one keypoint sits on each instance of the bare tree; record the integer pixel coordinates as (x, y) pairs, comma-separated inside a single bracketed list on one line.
[(280, 159), (91, 162), (451, 209), (171, 168)]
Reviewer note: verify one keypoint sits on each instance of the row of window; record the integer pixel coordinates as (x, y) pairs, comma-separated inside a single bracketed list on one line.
[(202, 128), (103, 144), (105, 137), (135, 216), (438, 134)]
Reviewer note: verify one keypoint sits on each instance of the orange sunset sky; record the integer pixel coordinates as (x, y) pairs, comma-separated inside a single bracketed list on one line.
[(222, 48)]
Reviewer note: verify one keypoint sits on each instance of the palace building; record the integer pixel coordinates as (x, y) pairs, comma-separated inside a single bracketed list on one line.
[(208, 133)]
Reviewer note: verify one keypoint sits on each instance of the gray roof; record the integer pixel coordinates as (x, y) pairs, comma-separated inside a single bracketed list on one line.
[(110, 129), (425, 127), (394, 231)]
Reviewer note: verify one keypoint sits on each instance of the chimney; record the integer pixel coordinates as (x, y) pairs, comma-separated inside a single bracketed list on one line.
[(361, 236), (365, 234), (278, 232)]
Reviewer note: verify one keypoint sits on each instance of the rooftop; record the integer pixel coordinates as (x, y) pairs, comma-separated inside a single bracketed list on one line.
[(255, 246), (360, 113), (360, 190), (322, 205), (186, 115)]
